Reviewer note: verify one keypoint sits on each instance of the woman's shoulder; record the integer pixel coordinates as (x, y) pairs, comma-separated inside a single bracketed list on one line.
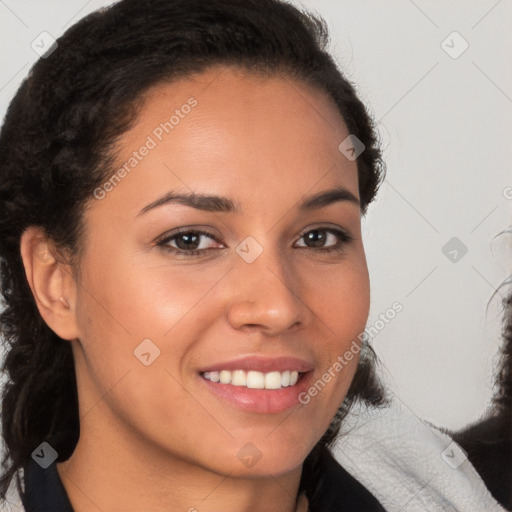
[(407, 461)]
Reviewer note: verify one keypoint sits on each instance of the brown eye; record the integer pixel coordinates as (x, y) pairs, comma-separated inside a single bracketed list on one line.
[(187, 243), (319, 239), (316, 237)]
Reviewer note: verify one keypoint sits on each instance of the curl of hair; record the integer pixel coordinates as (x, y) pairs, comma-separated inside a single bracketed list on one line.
[(57, 144)]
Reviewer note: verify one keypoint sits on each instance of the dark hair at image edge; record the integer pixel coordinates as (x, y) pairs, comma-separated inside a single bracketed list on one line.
[(57, 145), (488, 441)]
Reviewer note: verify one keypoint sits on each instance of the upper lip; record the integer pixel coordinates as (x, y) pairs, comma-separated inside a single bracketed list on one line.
[(263, 364)]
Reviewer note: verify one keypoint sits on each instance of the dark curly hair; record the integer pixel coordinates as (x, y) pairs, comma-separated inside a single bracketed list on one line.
[(488, 442), (57, 146)]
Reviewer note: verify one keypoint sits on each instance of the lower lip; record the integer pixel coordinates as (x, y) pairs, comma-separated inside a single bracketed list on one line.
[(263, 401)]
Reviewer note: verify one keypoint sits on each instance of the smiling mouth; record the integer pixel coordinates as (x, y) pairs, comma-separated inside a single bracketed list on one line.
[(255, 379)]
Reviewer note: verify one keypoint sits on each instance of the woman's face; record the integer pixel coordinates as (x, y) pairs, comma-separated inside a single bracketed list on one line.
[(256, 298)]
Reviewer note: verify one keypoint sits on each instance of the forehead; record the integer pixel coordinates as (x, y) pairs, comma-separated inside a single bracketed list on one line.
[(228, 131)]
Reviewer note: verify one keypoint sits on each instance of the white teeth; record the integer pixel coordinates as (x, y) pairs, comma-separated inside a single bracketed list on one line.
[(239, 378), (254, 380), (225, 377), (273, 380)]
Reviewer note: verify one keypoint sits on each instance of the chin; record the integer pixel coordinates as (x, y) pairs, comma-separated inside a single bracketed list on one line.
[(255, 460)]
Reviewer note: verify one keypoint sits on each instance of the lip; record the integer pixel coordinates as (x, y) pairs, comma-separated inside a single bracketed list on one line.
[(262, 401), (261, 364)]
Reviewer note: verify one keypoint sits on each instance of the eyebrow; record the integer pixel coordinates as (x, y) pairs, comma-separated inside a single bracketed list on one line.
[(224, 204)]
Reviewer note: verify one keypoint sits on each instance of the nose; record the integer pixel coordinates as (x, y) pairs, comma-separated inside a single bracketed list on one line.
[(266, 295)]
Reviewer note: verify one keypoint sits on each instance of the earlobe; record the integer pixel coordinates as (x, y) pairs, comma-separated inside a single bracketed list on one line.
[(51, 282)]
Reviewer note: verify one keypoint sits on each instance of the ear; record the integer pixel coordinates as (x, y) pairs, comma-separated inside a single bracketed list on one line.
[(51, 282)]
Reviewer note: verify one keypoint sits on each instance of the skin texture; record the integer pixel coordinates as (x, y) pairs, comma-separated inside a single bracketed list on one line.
[(155, 437)]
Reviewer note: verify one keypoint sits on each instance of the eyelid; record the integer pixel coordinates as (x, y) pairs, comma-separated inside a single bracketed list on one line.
[(162, 240), (325, 226)]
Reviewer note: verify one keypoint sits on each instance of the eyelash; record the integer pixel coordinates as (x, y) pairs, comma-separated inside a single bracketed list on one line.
[(343, 237)]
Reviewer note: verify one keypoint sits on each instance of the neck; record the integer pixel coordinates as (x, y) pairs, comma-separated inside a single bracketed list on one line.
[(110, 469)]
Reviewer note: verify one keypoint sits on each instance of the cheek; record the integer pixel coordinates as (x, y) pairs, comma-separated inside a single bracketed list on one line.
[(122, 304), (342, 307), (340, 298), (141, 300)]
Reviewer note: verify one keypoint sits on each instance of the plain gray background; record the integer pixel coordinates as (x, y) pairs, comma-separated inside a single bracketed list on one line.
[(445, 118)]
